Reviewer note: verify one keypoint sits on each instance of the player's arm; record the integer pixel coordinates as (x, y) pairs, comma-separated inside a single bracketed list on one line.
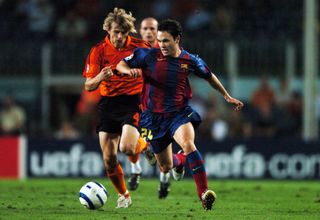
[(216, 84), (203, 71), (124, 68), (131, 64), (92, 83)]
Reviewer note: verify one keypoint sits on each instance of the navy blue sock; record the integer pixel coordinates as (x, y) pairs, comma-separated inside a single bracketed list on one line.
[(198, 172)]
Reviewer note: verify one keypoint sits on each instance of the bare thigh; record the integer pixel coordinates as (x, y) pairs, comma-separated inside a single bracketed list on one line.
[(109, 147), (184, 136), (129, 139)]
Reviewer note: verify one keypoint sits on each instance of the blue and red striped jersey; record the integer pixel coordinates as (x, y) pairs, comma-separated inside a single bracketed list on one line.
[(166, 85)]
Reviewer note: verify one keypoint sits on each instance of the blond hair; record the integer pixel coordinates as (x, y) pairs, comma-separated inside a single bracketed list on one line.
[(123, 19)]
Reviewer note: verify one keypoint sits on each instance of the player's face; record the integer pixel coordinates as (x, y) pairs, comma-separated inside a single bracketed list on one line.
[(118, 36), (168, 45), (148, 30)]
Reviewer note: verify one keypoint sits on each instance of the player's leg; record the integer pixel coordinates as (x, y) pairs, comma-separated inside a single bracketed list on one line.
[(109, 146), (136, 170), (162, 150), (164, 189), (184, 136), (164, 177), (164, 159), (131, 144), (165, 163), (112, 114), (129, 140), (134, 178), (179, 161)]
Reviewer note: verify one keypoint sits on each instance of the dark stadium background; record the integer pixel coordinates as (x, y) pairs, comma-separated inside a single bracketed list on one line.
[(43, 50)]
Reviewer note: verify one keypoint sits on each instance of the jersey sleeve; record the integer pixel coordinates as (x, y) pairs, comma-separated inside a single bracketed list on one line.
[(137, 58), (93, 63), (201, 68)]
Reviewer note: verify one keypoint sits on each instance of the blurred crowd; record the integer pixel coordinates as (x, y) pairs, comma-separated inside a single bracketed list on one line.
[(81, 19), (269, 113)]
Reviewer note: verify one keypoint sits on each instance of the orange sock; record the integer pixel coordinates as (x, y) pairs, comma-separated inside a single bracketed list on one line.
[(117, 178), (134, 158), (141, 146)]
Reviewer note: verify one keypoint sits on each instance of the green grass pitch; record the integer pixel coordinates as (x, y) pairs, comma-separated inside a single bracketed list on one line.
[(237, 199)]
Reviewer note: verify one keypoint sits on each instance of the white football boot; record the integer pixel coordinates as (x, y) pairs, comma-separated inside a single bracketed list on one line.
[(124, 200)]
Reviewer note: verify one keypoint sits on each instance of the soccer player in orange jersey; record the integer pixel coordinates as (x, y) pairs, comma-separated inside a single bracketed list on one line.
[(149, 30), (119, 106)]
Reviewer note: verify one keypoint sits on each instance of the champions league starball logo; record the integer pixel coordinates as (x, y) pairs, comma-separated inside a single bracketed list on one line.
[(128, 57)]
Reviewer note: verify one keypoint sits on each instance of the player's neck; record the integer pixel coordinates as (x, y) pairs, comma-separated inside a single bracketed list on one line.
[(153, 44), (177, 53)]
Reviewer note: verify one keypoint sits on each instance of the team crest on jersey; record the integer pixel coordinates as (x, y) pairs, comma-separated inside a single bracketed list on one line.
[(128, 57), (184, 66)]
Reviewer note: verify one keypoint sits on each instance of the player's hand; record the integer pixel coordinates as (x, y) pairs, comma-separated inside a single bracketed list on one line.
[(107, 72), (134, 72), (238, 104)]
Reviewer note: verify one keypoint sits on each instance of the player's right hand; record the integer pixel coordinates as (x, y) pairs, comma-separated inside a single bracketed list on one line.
[(135, 72), (238, 104), (106, 72)]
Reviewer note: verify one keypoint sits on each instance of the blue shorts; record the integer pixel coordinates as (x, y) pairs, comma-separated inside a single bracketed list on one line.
[(158, 128)]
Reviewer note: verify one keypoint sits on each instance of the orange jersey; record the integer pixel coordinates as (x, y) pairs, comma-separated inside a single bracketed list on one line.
[(105, 54)]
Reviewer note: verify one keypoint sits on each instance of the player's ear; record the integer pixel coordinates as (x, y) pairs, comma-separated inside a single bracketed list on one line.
[(178, 38)]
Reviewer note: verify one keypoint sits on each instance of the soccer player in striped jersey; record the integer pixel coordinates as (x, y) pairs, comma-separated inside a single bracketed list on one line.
[(119, 106), (168, 116)]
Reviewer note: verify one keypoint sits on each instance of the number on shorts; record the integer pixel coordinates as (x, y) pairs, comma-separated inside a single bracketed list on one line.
[(145, 133)]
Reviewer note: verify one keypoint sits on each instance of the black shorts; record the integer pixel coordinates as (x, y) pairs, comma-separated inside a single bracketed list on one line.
[(114, 112)]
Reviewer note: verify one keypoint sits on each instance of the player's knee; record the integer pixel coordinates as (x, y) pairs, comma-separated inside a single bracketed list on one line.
[(165, 168), (188, 146), (128, 149), (110, 162)]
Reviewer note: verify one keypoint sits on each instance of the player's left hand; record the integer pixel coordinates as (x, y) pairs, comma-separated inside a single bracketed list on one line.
[(135, 72), (238, 104)]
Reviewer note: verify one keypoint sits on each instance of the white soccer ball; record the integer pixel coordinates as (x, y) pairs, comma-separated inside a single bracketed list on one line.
[(93, 195)]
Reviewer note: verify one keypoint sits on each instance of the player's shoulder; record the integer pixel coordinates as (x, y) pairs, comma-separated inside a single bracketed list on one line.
[(137, 42), (187, 55), (98, 47), (190, 56), (146, 51)]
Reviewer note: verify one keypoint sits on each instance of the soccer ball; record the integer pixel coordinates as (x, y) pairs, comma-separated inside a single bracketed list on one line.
[(93, 195)]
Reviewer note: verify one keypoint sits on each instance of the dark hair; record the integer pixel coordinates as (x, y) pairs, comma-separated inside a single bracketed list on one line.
[(173, 27)]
